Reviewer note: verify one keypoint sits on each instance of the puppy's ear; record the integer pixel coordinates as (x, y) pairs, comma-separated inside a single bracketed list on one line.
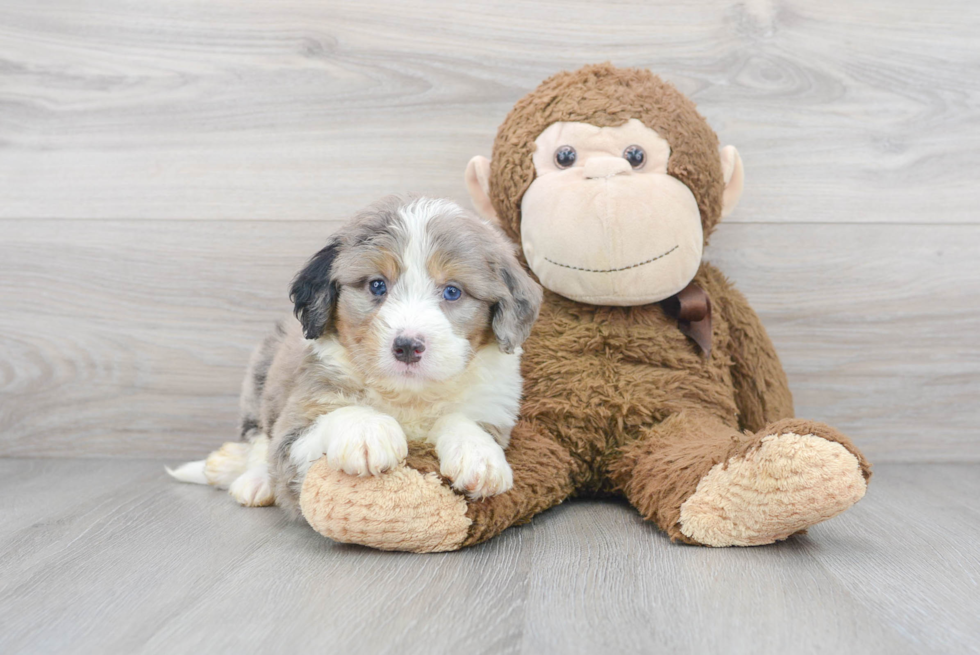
[(314, 292), (515, 312)]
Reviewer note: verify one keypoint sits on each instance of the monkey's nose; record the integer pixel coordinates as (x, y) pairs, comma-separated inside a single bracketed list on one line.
[(408, 349), (605, 166)]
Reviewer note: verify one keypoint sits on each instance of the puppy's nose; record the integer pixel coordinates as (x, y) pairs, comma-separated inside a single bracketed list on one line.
[(598, 167), (408, 349)]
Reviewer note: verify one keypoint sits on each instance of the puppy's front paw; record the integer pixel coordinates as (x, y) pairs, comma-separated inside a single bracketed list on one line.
[(476, 465), (365, 442)]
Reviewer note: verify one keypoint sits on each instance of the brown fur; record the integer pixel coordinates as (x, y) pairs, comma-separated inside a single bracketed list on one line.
[(616, 398), (606, 96)]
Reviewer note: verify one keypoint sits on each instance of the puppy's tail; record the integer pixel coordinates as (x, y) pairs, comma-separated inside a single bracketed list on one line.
[(190, 472), (220, 469)]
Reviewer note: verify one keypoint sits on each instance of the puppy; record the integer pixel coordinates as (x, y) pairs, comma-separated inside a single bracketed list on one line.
[(409, 326)]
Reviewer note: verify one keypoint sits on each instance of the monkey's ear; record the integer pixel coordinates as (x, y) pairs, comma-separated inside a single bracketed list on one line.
[(731, 169), (314, 292), (478, 185)]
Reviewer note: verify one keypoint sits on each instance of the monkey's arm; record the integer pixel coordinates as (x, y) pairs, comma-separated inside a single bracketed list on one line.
[(761, 389), (412, 508)]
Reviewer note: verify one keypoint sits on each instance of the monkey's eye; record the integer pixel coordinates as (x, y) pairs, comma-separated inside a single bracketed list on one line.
[(378, 287), (565, 156), (452, 293), (635, 156)]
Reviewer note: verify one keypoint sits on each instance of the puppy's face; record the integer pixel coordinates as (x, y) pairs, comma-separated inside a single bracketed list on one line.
[(412, 290)]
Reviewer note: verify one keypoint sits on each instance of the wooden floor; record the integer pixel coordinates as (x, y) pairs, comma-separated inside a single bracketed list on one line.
[(109, 556)]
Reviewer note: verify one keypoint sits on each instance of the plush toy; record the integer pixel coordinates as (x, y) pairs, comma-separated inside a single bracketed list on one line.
[(647, 375)]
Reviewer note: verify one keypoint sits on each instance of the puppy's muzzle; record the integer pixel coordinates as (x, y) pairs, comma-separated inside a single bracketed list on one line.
[(407, 349)]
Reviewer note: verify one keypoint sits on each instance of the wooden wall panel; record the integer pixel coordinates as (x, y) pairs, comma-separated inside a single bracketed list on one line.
[(843, 111), (166, 167), (129, 338)]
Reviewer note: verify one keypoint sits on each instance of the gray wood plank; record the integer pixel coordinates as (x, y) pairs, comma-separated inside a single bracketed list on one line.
[(304, 594), (157, 566), (97, 577), (305, 110), (123, 560), (27, 495), (130, 338), (611, 583), (909, 552)]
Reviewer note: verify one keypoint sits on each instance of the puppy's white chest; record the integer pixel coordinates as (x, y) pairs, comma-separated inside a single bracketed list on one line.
[(416, 419)]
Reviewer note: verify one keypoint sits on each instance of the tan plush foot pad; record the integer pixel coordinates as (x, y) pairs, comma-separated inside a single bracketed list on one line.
[(398, 510), (787, 484)]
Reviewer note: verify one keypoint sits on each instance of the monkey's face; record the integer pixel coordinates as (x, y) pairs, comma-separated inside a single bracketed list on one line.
[(602, 222)]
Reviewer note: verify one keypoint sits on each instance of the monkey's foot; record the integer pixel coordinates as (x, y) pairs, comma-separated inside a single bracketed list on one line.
[(782, 486), (401, 509)]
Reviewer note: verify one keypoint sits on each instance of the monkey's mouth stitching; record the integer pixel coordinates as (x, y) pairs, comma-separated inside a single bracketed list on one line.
[(612, 270)]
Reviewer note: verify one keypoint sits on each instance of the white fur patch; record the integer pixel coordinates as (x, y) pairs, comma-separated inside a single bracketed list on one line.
[(492, 392), (192, 472), (357, 440), (413, 308), (471, 458)]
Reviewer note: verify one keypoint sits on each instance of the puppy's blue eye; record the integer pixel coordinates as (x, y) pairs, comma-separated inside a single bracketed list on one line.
[(378, 287), (451, 293)]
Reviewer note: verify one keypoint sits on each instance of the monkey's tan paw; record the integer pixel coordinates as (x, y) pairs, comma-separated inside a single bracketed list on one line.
[(786, 484), (401, 509)]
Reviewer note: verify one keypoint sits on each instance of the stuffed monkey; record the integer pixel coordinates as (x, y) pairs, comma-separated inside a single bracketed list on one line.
[(647, 374)]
